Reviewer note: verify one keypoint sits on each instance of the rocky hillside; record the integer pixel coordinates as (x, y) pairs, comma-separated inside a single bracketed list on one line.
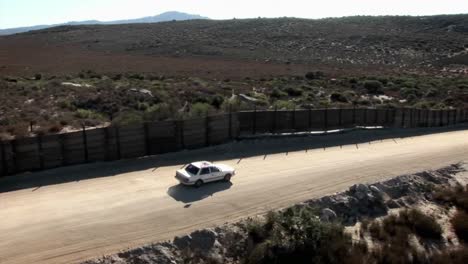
[(393, 41)]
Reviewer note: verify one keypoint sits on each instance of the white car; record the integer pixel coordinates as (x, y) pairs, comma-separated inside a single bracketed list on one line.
[(198, 173)]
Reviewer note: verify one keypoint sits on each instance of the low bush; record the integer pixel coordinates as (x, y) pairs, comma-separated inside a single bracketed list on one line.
[(128, 118), (460, 225), (423, 225), (201, 109), (292, 91), (284, 105), (277, 93), (298, 236), (373, 86), (396, 228), (338, 97), (88, 114), (455, 196), (458, 256), (158, 112), (314, 75), (217, 101)]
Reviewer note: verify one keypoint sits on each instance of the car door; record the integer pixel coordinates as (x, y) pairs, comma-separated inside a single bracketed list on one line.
[(216, 173), (205, 174)]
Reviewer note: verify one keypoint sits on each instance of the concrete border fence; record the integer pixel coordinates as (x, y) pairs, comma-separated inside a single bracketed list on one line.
[(114, 143)]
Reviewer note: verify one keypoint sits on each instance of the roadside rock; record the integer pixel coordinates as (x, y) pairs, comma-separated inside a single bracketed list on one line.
[(328, 215), (203, 240), (182, 242), (392, 204), (146, 255)]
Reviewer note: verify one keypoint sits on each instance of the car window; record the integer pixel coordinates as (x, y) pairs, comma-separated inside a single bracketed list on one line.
[(205, 171), (192, 169), (214, 169)]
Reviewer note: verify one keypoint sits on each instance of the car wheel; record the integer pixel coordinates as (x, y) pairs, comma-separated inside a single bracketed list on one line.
[(198, 183), (227, 178)]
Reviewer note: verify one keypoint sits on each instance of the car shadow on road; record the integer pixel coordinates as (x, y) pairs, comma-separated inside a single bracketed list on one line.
[(190, 194)]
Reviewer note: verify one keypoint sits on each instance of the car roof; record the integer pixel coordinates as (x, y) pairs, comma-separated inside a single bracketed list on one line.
[(201, 164)]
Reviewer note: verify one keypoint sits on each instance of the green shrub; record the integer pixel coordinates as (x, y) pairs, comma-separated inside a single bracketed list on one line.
[(201, 109), (423, 225), (88, 114), (338, 97), (373, 86), (217, 101), (460, 225), (406, 92), (314, 75), (293, 91), (296, 235), (277, 93), (282, 104), (158, 112), (457, 196), (128, 118), (457, 256), (396, 228), (136, 76)]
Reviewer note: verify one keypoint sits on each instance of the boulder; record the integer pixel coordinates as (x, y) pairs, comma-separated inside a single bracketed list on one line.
[(328, 215), (392, 204), (376, 191), (362, 188), (182, 242), (203, 240)]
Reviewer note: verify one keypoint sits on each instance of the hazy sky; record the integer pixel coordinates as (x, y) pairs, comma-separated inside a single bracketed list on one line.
[(16, 13)]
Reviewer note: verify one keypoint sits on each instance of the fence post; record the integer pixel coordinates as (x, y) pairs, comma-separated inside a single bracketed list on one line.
[(376, 116), (207, 130), (325, 119), (393, 116), (310, 119), (354, 115), (418, 123), (340, 121), (411, 119), (14, 156), (254, 120), (106, 143), (4, 161), (275, 113), (179, 126), (365, 117), (147, 139), (454, 116), (441, 114), (85, 143), (40, 151), (426, 122), (63, 152), (293, 119), (117, 142), (230, 122), (387, 113), (448, 117), (402, 117)]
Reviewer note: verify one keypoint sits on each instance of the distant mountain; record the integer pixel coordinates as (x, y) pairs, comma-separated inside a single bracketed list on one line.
[(167, 16)]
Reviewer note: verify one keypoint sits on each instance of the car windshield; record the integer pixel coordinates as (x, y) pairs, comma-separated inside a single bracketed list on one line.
[(192, 169)]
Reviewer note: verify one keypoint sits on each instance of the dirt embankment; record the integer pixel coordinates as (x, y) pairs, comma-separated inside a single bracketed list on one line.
[(410, 203)]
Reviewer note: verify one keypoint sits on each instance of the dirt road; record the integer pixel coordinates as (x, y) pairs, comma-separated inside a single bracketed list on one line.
[(83, 218)]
